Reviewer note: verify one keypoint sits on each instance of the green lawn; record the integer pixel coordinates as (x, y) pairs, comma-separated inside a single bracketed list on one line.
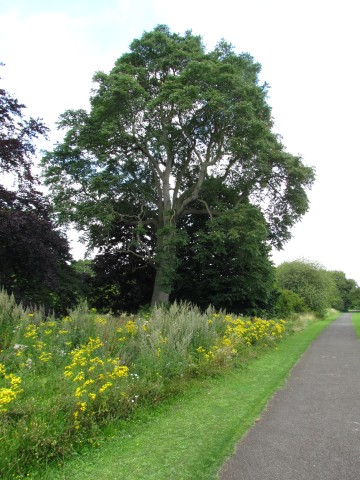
[(191, 436)]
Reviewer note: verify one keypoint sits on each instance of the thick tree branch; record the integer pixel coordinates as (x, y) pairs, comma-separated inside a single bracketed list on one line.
[(146, 152), (195, 194), (191, 140), (207, 208)]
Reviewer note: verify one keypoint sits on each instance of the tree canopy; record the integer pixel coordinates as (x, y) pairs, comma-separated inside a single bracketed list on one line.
[(167, 119)]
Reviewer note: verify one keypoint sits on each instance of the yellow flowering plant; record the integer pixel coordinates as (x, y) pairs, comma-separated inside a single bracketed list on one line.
[(10, 391), (240, 331), (91, 378)]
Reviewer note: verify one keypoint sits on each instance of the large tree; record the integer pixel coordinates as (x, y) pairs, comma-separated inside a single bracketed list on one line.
[(168, 117)]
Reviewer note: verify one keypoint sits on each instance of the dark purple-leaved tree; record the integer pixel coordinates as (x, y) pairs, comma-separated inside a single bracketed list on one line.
[(33, 254)]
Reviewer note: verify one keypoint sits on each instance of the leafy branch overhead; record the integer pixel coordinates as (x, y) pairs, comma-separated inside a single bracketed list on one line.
[(167, 119)]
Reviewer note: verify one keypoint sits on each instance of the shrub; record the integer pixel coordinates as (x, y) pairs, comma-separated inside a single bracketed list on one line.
[(288, 303)]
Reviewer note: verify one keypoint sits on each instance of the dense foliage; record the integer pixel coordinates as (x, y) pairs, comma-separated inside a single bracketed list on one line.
[(286, 303), (226, 262), (120, 282), (33, 255), (309, 280)]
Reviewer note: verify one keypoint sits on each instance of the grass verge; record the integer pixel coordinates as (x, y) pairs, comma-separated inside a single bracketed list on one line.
[(356, 322), (190, 436)]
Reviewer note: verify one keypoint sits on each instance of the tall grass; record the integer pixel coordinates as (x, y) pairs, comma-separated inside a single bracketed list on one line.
[(62, 380)]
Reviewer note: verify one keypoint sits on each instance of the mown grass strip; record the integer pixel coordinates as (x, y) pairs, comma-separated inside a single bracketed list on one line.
[(356, 322), (190, 437)]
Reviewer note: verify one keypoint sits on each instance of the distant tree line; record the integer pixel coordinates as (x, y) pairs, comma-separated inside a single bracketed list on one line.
[(307, 286), (292, 287)]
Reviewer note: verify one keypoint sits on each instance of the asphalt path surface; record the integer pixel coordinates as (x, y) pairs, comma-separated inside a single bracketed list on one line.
[(311, 428)]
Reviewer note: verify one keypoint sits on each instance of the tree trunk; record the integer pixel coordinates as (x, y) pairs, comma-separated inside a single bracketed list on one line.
[(165, 265), (159, 296)]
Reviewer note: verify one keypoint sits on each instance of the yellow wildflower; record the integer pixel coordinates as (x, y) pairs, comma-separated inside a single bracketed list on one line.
[(79, 377), (45, 356), (88, 382), (7, 395), (101, 321), (131, 327), (79, 392), (31, 331), (105, 387)]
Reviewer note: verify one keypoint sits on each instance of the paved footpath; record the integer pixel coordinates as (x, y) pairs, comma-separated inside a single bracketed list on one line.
[(311, 428)]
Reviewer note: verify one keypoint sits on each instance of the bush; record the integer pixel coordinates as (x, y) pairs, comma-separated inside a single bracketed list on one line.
[(288, 303)]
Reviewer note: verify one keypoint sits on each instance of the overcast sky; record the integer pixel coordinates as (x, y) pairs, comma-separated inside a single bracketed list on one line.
[(309, 52)]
